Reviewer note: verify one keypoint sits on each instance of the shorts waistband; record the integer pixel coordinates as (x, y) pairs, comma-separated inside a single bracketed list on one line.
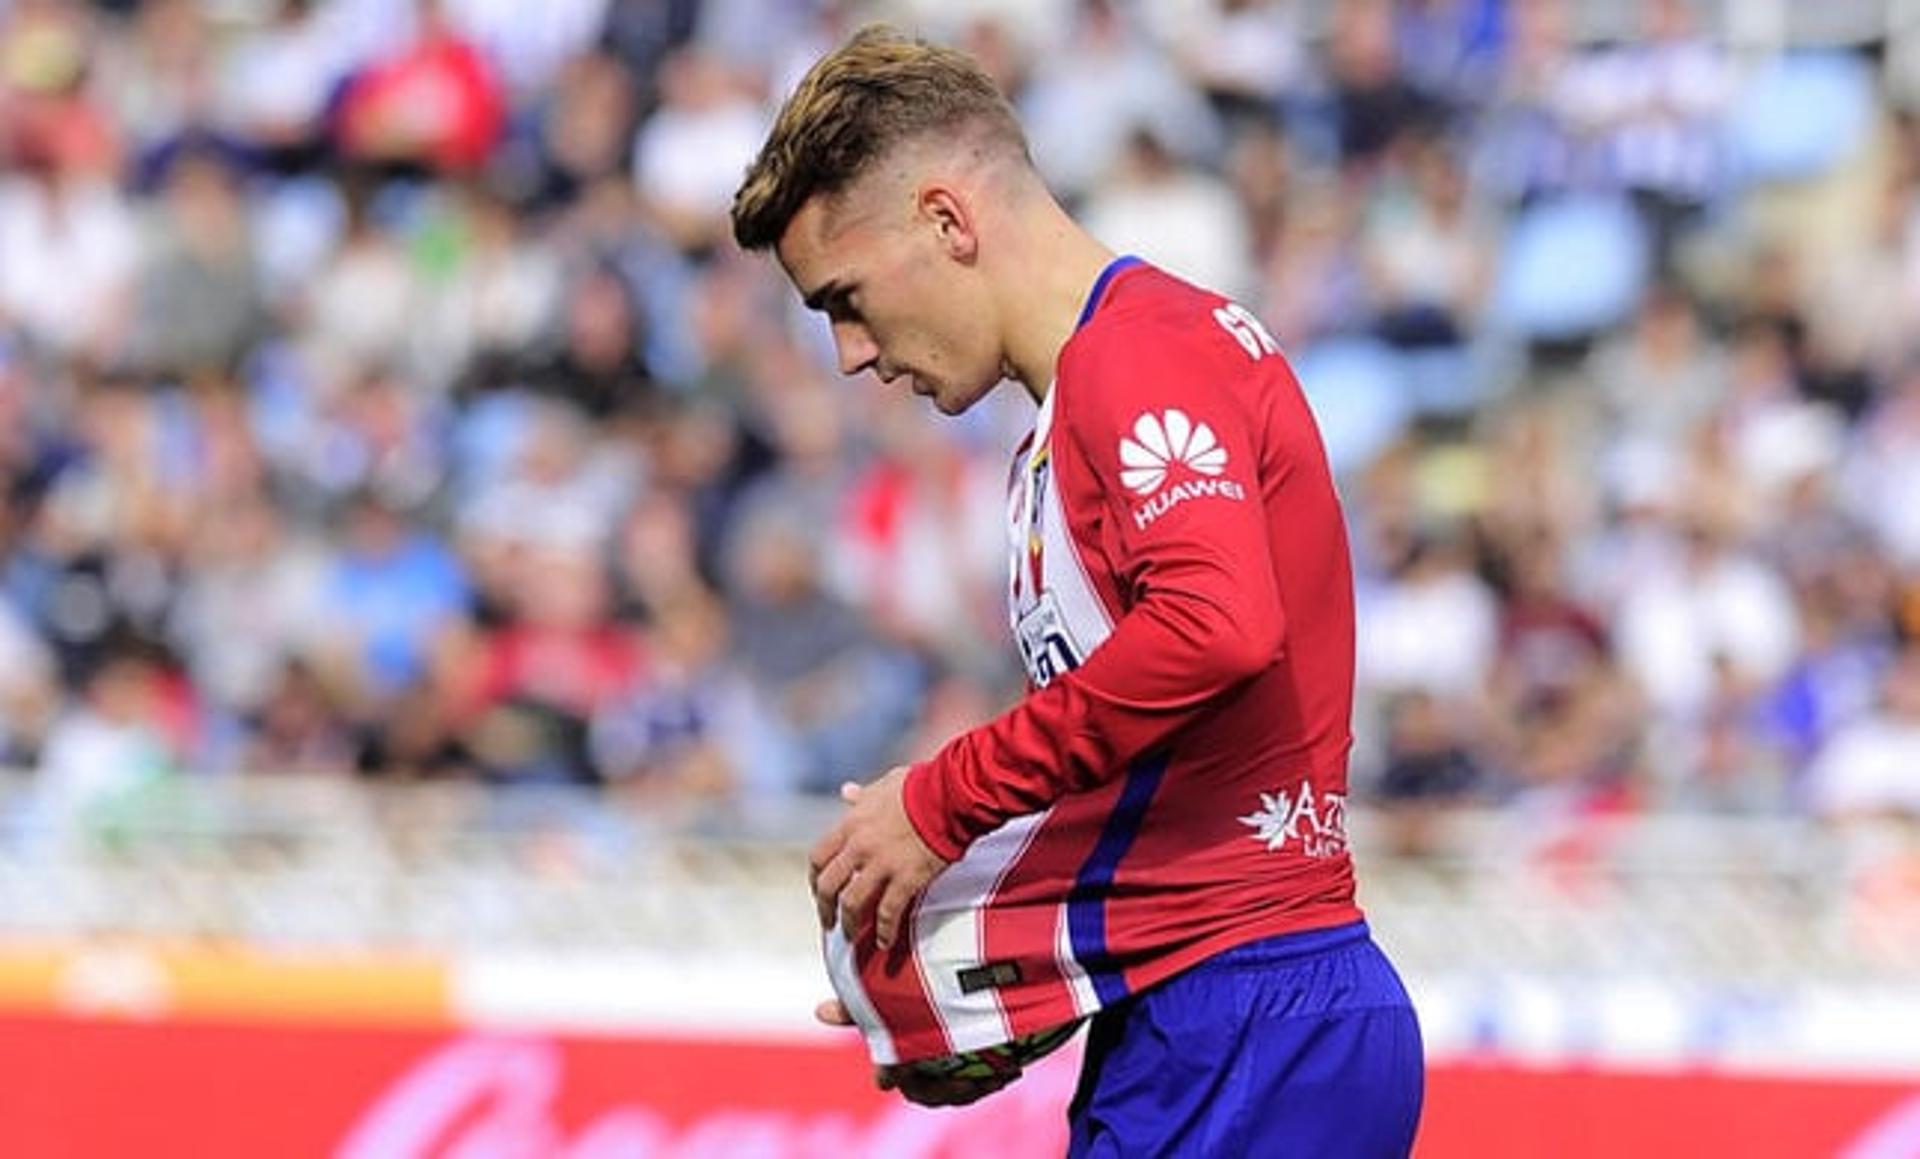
[(1287, 947)]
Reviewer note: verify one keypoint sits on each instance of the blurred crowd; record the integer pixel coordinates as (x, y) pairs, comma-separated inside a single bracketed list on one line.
[(381, 393)]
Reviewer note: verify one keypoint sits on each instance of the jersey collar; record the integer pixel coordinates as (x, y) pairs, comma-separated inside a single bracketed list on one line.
[(1101, 284), (1043, 421)]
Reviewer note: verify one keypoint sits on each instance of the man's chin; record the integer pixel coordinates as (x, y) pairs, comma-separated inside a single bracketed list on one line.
[(951, 401)]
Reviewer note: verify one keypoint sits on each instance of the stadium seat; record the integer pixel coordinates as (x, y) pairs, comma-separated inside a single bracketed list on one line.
[(1800, 115), (1358, 392), (1571, 266)]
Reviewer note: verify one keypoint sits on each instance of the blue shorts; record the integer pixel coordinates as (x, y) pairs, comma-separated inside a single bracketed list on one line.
[(1304, 1045)]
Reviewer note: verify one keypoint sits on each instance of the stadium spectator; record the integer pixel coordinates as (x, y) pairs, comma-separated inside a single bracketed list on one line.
[(1086, 104), (1662, 378), (1245, 55), (1183, 219), (389, 592), (108, 748), (29, 692), (252, 600), (1869, 768), (250, 286), (840, 693), (1431, 623), (492, 293), (695, 733), (580, 135), (71, 241), (1315, 284), (554, 663), (354, 311), (1373, 102), (1429, 251), (1528, 144), (275, 81), (1654, 107), (298, 726), (199, 307), (1426, 768), (433, 103), (163, 74), (691, 149)]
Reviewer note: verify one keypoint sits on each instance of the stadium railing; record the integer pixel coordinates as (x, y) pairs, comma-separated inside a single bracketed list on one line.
[(335, 863)]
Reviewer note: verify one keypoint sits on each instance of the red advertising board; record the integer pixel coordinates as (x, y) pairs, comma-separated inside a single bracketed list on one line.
[(83, 1088), (1508, 1112)]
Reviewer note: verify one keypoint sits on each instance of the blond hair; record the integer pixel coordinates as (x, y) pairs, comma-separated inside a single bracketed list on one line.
[(875, 92)]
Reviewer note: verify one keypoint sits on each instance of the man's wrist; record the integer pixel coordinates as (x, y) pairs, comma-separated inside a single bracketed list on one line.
[(930, 811)]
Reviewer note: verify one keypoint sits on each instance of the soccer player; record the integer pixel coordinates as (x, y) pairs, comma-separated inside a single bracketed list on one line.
[(1154, 837)]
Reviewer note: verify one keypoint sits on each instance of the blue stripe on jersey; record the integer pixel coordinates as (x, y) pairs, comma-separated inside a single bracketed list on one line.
[(1087, 904), (1114, 268)]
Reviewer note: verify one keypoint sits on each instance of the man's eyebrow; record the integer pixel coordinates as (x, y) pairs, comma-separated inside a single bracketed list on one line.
[(827, 291)]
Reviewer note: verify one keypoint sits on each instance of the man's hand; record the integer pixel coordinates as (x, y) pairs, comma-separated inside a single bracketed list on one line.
[(872, 861), (913, 1086)]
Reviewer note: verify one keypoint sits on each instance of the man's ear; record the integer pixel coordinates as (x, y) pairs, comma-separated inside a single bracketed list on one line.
[(954, 224)]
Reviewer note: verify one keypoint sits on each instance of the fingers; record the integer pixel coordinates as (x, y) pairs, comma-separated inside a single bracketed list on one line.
[(828, 868), (857, 897), (847, 892), (827, 848), (871, 865), (894, 900), (833, 1012), (829, 884)]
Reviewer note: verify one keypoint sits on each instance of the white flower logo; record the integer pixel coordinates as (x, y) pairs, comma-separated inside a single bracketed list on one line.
[(1277, 821), (1159, 440), (1317, 824)]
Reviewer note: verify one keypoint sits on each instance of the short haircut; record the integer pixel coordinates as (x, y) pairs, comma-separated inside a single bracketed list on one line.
[(877, 91)]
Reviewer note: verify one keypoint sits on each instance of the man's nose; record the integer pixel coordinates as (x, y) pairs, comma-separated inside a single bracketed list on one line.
[(856, 347)]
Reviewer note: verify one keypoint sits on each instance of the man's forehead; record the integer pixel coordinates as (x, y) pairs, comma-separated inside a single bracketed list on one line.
[(812, 225), (830, 217), (800, 246), (819, 234)]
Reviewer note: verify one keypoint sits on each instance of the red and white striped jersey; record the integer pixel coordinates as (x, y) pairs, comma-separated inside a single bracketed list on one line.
[(1174, 783)]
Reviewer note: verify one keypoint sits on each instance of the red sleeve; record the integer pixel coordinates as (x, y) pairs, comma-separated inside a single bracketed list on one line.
[(1202, 606)]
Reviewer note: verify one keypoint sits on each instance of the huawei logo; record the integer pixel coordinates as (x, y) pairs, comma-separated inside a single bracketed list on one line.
[(1161, 440)]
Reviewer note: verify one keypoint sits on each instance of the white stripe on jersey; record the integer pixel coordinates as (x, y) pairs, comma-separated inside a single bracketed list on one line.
[(1062, 571), (1065, 583), (948, 931), (844, 973), (1017, 523), (1063, 574), (1085, 999)]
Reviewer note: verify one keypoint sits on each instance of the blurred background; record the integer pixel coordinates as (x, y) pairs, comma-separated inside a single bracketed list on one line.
[(442, 579)]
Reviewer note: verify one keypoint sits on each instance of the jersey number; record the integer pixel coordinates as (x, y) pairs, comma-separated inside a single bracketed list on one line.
[(1045, 643), (1246, 329)]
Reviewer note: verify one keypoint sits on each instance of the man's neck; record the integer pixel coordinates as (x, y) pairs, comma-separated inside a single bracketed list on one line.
[(1058, 265)]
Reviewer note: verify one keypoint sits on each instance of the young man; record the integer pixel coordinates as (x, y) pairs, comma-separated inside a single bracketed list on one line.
[(1154, 837)]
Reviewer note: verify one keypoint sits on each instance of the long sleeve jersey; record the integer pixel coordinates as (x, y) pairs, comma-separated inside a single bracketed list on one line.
[(1174, 783)]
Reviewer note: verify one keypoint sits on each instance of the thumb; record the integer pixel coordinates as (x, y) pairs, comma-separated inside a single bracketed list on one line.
[(833, 1012), (849, 791)]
